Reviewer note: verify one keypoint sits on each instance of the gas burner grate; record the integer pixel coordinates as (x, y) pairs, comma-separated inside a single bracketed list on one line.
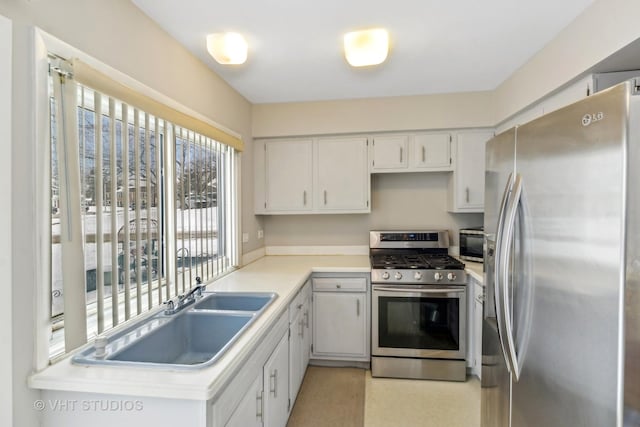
[(415, 262)]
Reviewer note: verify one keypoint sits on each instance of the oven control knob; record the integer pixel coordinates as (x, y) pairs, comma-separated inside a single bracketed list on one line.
[(385, 275), (451, 276), (417, 275), (398, 275), (438, 276)]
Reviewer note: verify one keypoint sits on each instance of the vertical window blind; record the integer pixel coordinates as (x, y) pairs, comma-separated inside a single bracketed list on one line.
[(142, 203)]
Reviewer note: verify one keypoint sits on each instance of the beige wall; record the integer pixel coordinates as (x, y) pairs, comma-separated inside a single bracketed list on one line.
[(459, 110), (399, 201), (601, 30), (121, 36)]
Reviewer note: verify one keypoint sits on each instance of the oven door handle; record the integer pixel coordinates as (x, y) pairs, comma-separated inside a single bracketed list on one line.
[(422, 290)]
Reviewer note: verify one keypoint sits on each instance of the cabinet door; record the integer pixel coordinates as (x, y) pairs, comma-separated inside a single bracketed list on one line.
[(276, 385), (432, 151), (249, 410), (289, 175), (339, 324), (306, 338), (389, 153), (343, 176), (468, 188), (296, 371)]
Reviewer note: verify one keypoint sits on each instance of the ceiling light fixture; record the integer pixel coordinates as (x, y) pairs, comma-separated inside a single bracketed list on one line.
[(367, 47), (227, 48)]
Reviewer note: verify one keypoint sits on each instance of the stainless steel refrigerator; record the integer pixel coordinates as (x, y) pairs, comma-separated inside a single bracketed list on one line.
[(561, 329)]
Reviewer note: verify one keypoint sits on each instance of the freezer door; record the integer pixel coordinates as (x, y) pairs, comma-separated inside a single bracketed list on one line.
[(500, 158), (571, 165)]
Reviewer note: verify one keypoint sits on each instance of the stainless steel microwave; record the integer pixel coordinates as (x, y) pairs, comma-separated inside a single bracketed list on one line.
[(471, 244)]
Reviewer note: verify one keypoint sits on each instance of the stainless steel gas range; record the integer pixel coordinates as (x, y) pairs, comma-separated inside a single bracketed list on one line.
[(419, 303)]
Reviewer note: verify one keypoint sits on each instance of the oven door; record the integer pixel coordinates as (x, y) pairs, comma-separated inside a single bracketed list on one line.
[(419, 321)]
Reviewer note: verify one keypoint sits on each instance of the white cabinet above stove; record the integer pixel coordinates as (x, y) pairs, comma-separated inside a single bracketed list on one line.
[(411, 152)]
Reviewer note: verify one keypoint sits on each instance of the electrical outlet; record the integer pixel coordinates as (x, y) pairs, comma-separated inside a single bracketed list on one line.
[(245, 237), (260, 234)]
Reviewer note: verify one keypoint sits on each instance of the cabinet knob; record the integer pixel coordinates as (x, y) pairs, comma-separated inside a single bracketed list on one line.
[(338, 286)]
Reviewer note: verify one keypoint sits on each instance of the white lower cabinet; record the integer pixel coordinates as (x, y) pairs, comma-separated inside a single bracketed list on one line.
[(276, 386), (341, 325), (299, 340), (249, 410), (306, 335), (266, 402)]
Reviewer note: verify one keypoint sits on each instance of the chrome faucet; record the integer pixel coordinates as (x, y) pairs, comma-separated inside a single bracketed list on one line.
[(175, 305)]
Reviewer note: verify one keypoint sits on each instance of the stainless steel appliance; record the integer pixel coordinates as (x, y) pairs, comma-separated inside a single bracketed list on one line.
[(471, 244), (419, 294), (561, 329)]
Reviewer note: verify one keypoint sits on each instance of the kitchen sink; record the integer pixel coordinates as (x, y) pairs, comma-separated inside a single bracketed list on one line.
[(193, 338), (234, 301)]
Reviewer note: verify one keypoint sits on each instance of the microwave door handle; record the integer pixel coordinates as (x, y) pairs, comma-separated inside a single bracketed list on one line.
[(498, 270)]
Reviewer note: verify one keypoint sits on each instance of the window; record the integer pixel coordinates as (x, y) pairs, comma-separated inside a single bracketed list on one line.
[(151, 201)]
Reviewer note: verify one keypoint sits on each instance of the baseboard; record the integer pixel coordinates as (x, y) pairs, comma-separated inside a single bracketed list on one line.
[(340, 363), (317, 250)]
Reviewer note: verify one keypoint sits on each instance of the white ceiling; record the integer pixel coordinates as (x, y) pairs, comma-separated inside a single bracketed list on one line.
[(437, 46)]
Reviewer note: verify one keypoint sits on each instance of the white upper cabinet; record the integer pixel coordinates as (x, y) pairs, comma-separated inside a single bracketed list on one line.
[(414, 152), (343, 177), (466, 185), (431, 151), (289, 175), (318, 175), (389, 153)]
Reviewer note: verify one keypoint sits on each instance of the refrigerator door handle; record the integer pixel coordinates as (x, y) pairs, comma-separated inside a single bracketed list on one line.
[(498, 269), (508, 236)]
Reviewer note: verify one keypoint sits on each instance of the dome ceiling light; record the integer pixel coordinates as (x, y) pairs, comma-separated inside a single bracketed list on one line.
[(227, 48), (367, 47)]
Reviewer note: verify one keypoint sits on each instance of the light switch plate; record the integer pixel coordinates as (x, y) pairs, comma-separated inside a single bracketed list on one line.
[(245, 237), (260, 234)]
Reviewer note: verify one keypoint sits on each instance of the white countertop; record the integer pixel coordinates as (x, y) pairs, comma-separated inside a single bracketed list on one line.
[(284, 275), (475, 270)]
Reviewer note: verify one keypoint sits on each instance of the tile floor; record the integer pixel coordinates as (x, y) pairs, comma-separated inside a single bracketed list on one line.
[(414, 403)]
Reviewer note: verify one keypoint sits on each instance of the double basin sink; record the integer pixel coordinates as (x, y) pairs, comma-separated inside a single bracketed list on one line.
[(193, 338)]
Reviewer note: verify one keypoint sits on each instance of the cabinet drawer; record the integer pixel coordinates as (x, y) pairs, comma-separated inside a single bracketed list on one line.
[(340, 284)]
